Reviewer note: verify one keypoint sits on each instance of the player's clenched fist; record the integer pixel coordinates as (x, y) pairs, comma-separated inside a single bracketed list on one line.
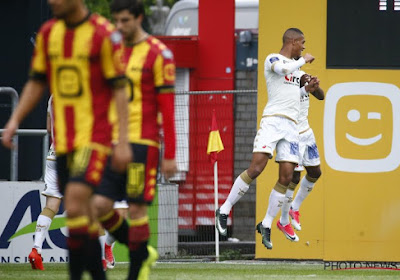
[(308, 58)]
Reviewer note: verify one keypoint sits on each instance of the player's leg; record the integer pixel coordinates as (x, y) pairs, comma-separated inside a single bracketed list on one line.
[(111, 189), (53, 201), (264, 145), (122, 208), (81, 172), (295, 215), (239, 188), (311, 162), (141, 183), (285, 177), (306, 186), (287, 156), (42, 227), (77, 197)]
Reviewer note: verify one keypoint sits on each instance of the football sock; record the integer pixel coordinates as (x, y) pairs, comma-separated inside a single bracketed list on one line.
[(116, 225), (275, 202), (93, 254), (77, 242), (306, 186), (109, 239), (42, 226), (287, 202), (239, 188), (139, 233)]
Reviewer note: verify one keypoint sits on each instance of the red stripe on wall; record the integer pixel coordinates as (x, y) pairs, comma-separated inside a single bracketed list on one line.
[(68, 42), (70, 126)]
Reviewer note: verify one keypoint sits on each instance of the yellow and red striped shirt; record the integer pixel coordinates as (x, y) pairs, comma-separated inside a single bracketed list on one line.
[(150, 69), (81, 65)]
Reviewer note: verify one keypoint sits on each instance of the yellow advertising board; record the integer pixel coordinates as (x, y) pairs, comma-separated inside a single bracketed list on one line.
[(353, 213)]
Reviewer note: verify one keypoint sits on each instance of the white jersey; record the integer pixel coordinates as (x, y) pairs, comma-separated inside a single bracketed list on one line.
[(283, 91), (304, 106)]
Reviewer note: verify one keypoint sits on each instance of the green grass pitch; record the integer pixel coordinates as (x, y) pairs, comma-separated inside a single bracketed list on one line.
[(229, 270)]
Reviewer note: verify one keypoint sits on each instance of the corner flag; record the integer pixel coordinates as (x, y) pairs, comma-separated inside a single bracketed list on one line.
[(214, 140)]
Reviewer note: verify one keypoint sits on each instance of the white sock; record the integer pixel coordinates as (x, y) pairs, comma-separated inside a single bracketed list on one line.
[(109, 239), (304, 190), (102, 240), (274, 205), (287, 202), (42, 226), (239, 188)]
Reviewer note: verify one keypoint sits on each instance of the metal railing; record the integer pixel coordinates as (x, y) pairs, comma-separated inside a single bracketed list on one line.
[(22, 132)]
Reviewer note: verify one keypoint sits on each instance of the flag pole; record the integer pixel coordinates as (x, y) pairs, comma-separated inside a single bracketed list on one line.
[(214, 146), (216, 207)]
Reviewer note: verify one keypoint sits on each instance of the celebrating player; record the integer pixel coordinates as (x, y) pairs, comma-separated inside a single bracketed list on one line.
[(278, 130), (309, 156)]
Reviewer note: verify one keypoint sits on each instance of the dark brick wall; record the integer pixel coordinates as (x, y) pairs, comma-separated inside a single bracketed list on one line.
[(245, 130)]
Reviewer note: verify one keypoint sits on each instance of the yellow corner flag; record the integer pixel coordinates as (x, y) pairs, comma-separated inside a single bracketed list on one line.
[(214, 140)]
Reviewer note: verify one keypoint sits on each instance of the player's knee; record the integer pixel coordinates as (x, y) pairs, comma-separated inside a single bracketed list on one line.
[(285, 179), (53, 204), (74, 209), (137, 210), (255, 170), (101, 205), (314, 173), (296, 178)]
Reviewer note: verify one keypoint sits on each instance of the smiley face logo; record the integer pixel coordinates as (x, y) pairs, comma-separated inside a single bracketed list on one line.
[(354, 116), (362, 127)]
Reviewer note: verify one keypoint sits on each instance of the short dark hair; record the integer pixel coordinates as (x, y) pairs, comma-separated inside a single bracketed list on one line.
[(135, 7), (289, 34)]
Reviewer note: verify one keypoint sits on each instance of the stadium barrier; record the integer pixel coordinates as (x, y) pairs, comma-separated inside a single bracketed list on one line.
[(182, 215)]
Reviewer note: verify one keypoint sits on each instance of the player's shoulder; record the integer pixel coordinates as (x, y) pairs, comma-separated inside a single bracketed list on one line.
[(47, 25), (273, 57), (102, 25), (159, 47)]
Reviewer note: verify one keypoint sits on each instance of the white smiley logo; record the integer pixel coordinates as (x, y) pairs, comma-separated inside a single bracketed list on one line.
[(354, 116), (347, 163)]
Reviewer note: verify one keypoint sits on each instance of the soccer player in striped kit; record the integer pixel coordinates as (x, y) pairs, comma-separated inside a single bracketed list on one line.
[(150, 68), (76, 56)]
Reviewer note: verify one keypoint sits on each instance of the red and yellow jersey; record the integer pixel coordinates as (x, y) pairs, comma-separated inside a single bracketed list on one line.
[(150, 69), (81, 65)]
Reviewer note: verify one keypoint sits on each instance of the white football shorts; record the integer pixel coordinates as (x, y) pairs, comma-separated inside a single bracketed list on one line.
[(308, 151), (278, 133)]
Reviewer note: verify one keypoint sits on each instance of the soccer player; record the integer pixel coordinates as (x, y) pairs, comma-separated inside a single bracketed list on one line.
[(150, 69), (53, 197), (309, 156), (77, 54), (278, 130)]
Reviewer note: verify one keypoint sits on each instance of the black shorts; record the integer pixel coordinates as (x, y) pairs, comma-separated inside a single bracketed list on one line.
[(84, 165), (138, 183)]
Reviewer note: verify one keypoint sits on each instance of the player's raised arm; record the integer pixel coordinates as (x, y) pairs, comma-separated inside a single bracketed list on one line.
[(283, 69)]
